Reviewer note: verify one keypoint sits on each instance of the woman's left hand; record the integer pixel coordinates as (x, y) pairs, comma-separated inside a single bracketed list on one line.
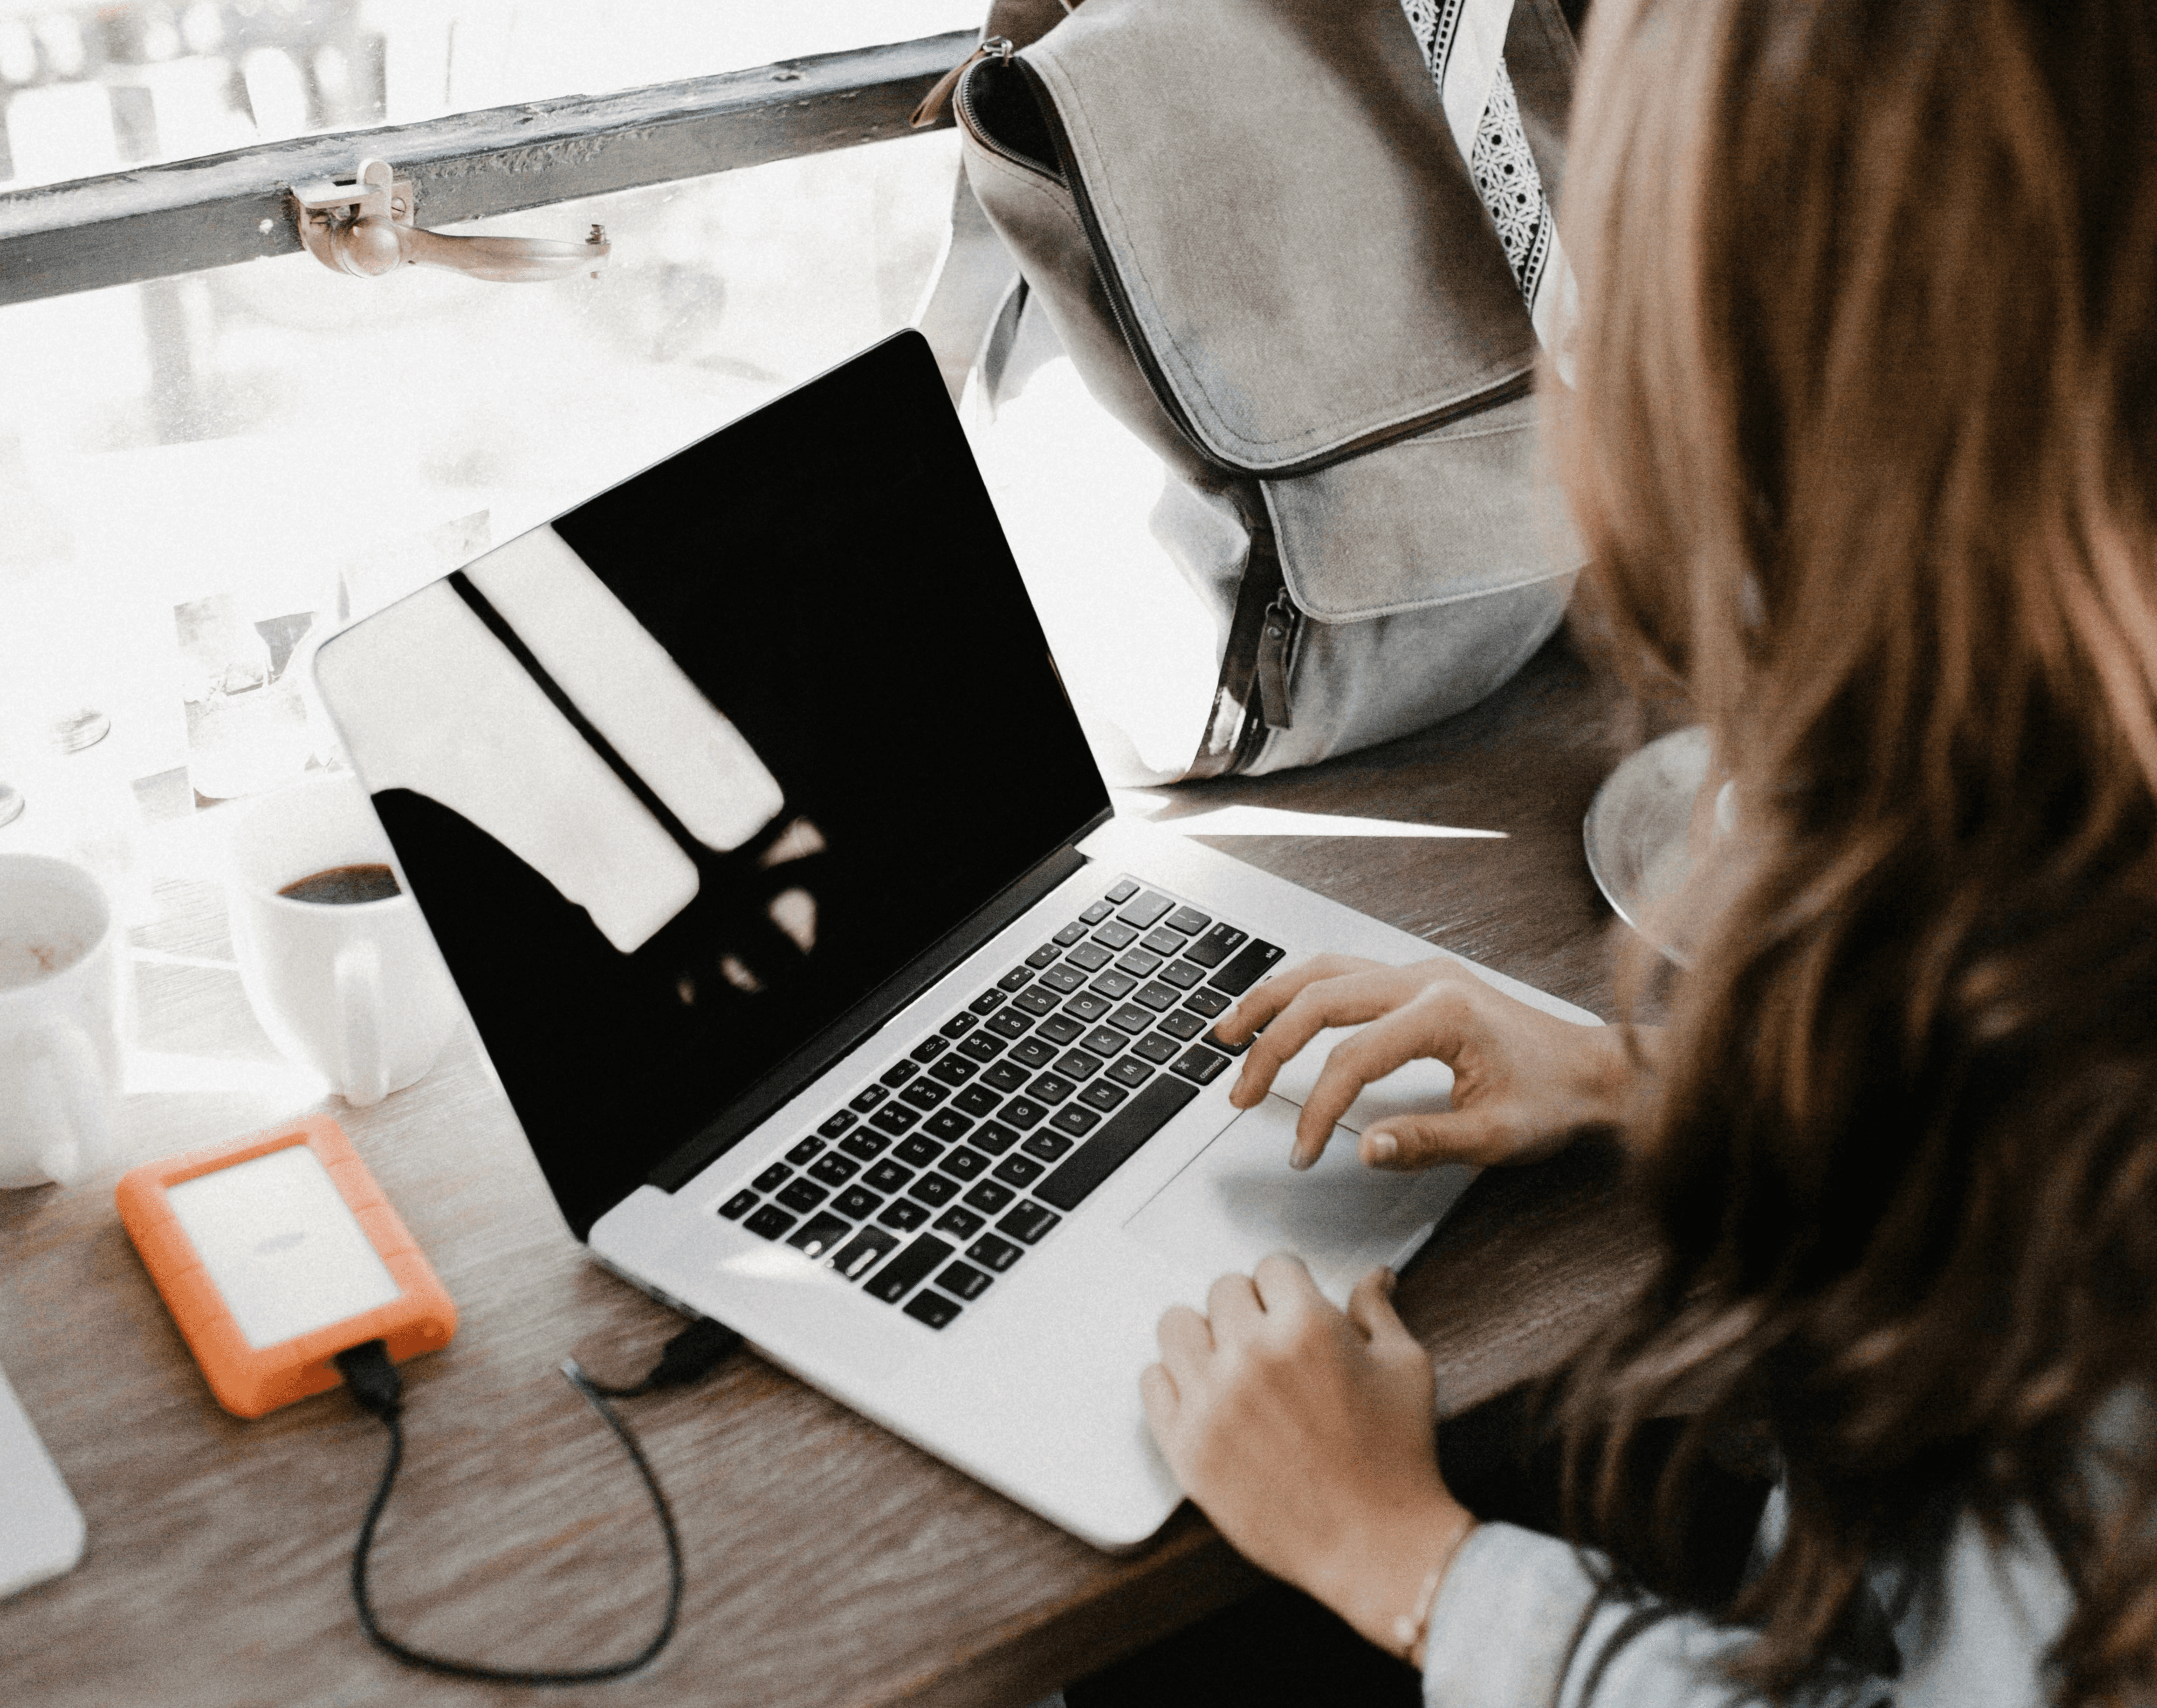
[(1309, 1438)]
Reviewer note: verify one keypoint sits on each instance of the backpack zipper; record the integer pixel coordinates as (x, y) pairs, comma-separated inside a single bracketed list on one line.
[(932, 104), (1275, 640)]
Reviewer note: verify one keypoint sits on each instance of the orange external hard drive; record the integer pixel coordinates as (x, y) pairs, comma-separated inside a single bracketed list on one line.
[(276, 1251)]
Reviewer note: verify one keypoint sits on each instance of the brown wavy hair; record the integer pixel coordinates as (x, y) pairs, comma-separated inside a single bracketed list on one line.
[(1864, 446)]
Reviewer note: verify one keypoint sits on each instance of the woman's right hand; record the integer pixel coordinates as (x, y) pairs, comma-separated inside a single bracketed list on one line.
[(1524, 1082)]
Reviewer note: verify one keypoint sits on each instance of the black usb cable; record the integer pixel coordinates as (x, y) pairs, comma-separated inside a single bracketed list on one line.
[(376, 1387)]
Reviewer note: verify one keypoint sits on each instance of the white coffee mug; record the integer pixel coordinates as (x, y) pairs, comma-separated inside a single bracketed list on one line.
[(356, 990), (63, 1021)]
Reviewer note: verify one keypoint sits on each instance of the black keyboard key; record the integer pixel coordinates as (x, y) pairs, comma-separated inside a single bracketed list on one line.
[(1217, 945), (925, 1094), (1076, 1121), (1009, 1023), (1007, 1077), (834, 1171), (1182, 1025), (1142, 911), (956, 1070), (868, 1099), (865, 1145), (1017, 979), (1208, 1003), (838, 1123), (1181, 974), (887, 1176), (738, 1205), (988, 1002), (1131, 1018), (1035, 1001), (799, 1193), (908, 1269), (1048, 1145), (1119, 1140), (948, 1124), (1098, 911), (987, 1196), (1123, 890), (958, 1025), (1131, 1072), (1139, 963), (1042, 956), (934, 1190), (903, 1214), (1200, 1065), (1103, 1041), (919, 1151), (1028, 1222), (1050, 1088), (976, 1101), (1070, 934), (1115, 934), (1157, 996), (1156, 1048), (857, 1202), (1090, 956), (1187, 920), (1115, 987), (899, 1073), (1252, 964), (1086, 1006), (930, 1048), (982, 1047), (964, 1163), (960, 1222), (1060, 1029), (772, 1178), (1163, 942), (1018, 1171), (1077, 1064), (894, 1118), (1063, 980), (804, 1151), (1103, 1096), (821, 1234), (862, 1253), (769, 1223), (962, 1280), (993, 1137), (931, 1308), (999, 1254), (1023, 1112), (1034, 1052)]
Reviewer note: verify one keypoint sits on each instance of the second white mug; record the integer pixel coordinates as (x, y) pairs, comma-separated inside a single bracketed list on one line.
[(353, 987)]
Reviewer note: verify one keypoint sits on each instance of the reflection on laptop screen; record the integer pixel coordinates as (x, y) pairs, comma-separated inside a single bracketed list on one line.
[(680, 780)]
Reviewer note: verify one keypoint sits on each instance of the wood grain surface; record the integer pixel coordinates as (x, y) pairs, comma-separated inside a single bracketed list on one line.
[(828, 1563)]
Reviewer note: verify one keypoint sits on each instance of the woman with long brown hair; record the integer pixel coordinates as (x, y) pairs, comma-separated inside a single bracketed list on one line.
[(1864, 446)]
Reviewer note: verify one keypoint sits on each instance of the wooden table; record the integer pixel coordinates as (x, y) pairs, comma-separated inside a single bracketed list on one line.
[(827, 1561)]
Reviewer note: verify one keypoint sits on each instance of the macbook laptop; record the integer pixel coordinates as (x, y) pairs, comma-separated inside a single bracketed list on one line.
[(836, 1004)]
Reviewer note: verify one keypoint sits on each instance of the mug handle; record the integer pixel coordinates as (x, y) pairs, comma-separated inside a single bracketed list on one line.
[(78, 1118), (362, 1062)]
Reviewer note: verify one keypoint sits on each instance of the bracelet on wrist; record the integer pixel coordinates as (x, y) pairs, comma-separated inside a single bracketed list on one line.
[(1410, 1628)]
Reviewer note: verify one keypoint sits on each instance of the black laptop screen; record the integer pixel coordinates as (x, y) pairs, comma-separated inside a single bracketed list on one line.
[(779, 718)]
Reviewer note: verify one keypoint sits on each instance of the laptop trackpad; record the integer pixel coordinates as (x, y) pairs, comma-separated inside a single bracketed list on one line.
[(1238, 1200)]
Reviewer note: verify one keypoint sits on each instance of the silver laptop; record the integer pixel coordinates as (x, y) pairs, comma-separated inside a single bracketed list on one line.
[(746, 807)]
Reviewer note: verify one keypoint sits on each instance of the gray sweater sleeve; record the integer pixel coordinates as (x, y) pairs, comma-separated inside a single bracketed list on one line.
[(1518, 1624)]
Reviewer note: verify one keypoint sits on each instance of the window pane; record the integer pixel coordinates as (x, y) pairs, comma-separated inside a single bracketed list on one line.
[(91, 89), (201, 473)]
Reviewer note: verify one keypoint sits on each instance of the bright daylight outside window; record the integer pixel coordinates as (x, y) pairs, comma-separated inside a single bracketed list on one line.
[(203, 474)]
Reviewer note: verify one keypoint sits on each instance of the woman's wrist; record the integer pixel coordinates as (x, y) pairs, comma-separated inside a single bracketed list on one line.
[(1387, 1586)]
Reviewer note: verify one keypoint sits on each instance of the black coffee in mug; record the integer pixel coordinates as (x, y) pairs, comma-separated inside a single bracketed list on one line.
[(370, 883)]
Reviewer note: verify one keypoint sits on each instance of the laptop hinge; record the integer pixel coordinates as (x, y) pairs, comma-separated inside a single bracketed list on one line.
[(823, 1052)]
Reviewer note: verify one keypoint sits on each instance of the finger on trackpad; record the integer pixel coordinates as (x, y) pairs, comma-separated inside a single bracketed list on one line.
[(1238, 1200), (1415, 1088)]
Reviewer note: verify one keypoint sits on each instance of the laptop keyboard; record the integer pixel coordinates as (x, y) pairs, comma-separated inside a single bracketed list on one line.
[(963, 1154)]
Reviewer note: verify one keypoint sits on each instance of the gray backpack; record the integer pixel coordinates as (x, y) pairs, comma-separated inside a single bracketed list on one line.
[(1251, 230)]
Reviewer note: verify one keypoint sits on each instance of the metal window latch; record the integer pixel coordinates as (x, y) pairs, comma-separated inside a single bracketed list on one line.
[(364, 227)]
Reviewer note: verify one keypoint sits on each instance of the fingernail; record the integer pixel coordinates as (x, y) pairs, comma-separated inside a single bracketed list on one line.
[(1384, 1147), (1299, 1158)]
